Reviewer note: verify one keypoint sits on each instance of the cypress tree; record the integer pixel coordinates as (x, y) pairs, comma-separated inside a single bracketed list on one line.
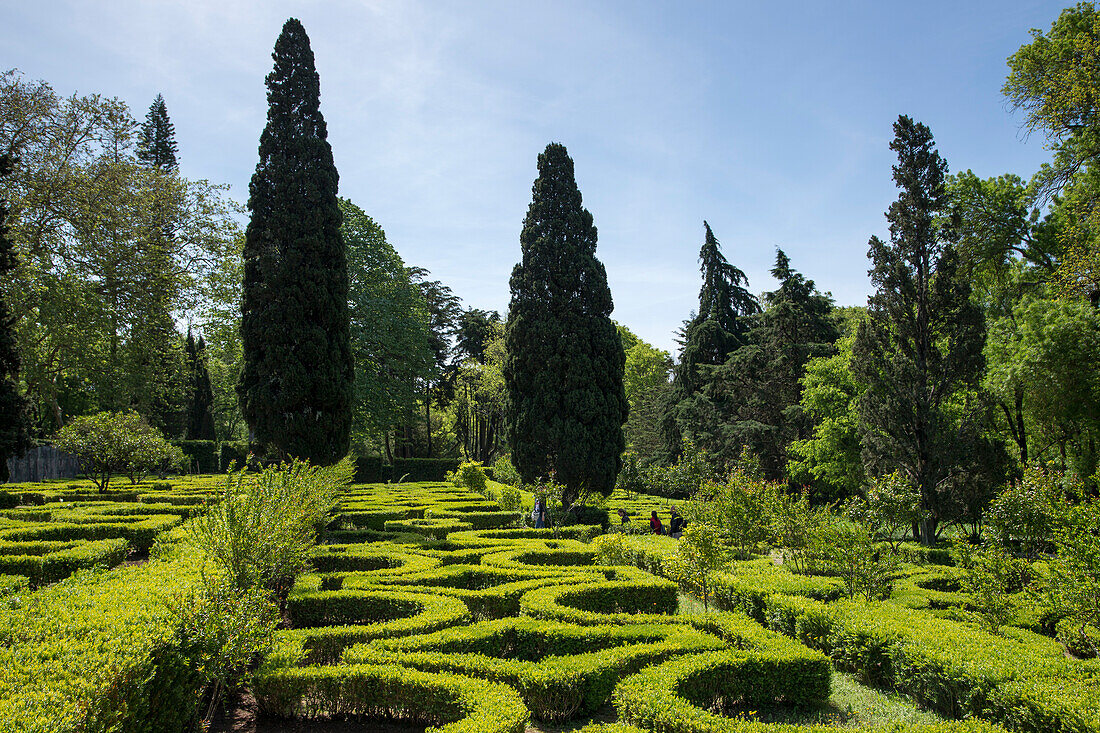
[(200, 416), (14, 434), (919, 349), (717, 330), (297, 379), (564, 364), (157, 138)]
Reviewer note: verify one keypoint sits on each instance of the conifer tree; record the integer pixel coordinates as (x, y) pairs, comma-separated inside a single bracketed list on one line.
[(297, 378), (564, 363), (919, 350), (14, 435), (713, 333), (200, 415), (157, 138), (758, 391)]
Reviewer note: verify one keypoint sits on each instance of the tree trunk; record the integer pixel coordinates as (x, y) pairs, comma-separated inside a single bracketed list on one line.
[(928, 531)]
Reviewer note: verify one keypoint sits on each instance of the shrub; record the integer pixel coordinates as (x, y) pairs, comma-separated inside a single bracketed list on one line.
[(505, 473), (470, 475), (1074, 585), (261, 531), (891, 506), (111, 442), (223, 631), (848, 551), (990, 575), (1026, 514)]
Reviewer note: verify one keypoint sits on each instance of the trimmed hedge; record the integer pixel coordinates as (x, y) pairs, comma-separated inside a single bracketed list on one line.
[(140, 533), (633, 601), (366, 560), (383, 614), (488, 592), (61, 562), (371, 469), (460, 704), (1021, 679), (97, 652), (561, 670), (436, 528)]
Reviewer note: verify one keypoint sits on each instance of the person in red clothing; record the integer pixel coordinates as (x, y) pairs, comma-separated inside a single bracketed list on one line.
[(655, 524)]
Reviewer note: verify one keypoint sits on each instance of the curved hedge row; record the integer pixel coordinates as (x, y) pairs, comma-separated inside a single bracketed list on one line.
[(453, 703)]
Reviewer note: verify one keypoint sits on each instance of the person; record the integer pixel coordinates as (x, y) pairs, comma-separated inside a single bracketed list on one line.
[(623, 518), (675, 524), (537, 515), (542, 523), (655, 523)]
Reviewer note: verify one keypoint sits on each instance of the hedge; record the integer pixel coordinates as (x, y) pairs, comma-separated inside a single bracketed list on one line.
[(488, 592), (377, 615), (626, 601), (365, 559), (460, 704), (561, 670), (371, 469), (436, 528), (1020, 678), (97, 652), (202, 455)]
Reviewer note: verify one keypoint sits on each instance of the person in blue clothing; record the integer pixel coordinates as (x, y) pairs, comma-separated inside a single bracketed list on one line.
[(539, 515)]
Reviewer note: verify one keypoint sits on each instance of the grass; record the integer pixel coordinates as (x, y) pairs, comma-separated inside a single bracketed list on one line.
[(851, 705)]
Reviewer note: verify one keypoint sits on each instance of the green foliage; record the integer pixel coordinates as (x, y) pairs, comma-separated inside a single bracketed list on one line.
[(390, 330), (701, 554), (990, 576), (914, 366), (476, 413), (456, 704), (890, 508), (741, 507), (108, 248), (223, 631), (504, 472), (1025, 514), (646, 377), (107, 443), (1074, 584), (1035, 352), (708, 338), (848, 551), (157, 138), (14, 433), (794, 526), (829, 459), (564, 364), (756, 394), (561, 670), (297, 383), (470, 475), (260, 533)]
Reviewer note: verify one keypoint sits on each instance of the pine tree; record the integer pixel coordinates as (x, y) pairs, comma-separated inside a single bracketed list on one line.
[(717, 330), (564, 360), (14, 433), (157, 138), (919, 350), (297, 379), (200, 415), (759, 389)]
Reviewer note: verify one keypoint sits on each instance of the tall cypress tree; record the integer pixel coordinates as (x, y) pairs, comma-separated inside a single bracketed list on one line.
[(157, 138), (564, 364), (297, 379), (919, 350), (717, 330), (14, 435), (200, 415)]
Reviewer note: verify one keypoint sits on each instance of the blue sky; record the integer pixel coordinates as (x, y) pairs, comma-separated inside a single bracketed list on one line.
[(770, 120)]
